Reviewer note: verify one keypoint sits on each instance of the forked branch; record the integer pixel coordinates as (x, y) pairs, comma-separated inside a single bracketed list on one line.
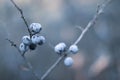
[(91, 23), (24, 58)]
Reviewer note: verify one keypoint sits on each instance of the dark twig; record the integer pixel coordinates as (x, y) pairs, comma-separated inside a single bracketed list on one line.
[(13, 44), (24, 58), (90, 24), (22, 16)]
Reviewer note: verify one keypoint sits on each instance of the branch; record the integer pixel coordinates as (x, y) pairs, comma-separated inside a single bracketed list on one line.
[(22, 16), (13, 44), (52, 67), (24, 58), (90, 24), (79, 27)]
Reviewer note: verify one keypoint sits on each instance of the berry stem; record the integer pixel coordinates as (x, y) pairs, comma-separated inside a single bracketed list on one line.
[(22, 16)]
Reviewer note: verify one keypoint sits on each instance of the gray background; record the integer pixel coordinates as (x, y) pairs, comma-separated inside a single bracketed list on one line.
[(99, 50)]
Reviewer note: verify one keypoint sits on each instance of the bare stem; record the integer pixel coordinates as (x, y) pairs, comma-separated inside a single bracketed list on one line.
[(52, 67), (22, 16), (15, 45), (90, 24), (24, 58)]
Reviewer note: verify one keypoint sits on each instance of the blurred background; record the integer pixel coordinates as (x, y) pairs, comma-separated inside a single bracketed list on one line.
[(99, 50)]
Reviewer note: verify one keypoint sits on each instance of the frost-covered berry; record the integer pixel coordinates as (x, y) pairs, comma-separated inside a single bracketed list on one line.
[(36, 39), (23, 48), (42, 40), (32, 46), (73, 49), (68, 61), (35, 28), (60, 48), (26, 40)]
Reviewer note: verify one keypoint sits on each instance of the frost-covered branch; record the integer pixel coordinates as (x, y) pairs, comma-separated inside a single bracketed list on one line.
[(91, 23)]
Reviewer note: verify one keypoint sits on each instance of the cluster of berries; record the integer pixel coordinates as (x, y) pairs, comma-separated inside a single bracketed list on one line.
[(31, 42), (61, 48)]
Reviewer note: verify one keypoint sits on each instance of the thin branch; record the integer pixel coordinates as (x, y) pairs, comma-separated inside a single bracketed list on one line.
[(90, 24), (22, 16), (52, 67), (13, 44), (100, 10), (24, 58), (79, 27), (31, 68)]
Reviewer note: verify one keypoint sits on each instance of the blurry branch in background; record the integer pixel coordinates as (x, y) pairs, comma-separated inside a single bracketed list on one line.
[(22, 16), (24, 58), (91, 23), (100, 64)]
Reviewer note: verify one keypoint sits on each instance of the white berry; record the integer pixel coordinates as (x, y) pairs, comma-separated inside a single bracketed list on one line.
[(35, 28), (26, 40), (60, 48), (73, 49), (23, 48), (42, 40), (68, 61), (36, 39)]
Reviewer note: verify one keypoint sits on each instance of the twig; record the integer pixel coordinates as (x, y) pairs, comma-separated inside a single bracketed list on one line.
[(52, 67), (90, 24), (79, 27), (13, 44), (22, 16), (24, 58), (93, 21)]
